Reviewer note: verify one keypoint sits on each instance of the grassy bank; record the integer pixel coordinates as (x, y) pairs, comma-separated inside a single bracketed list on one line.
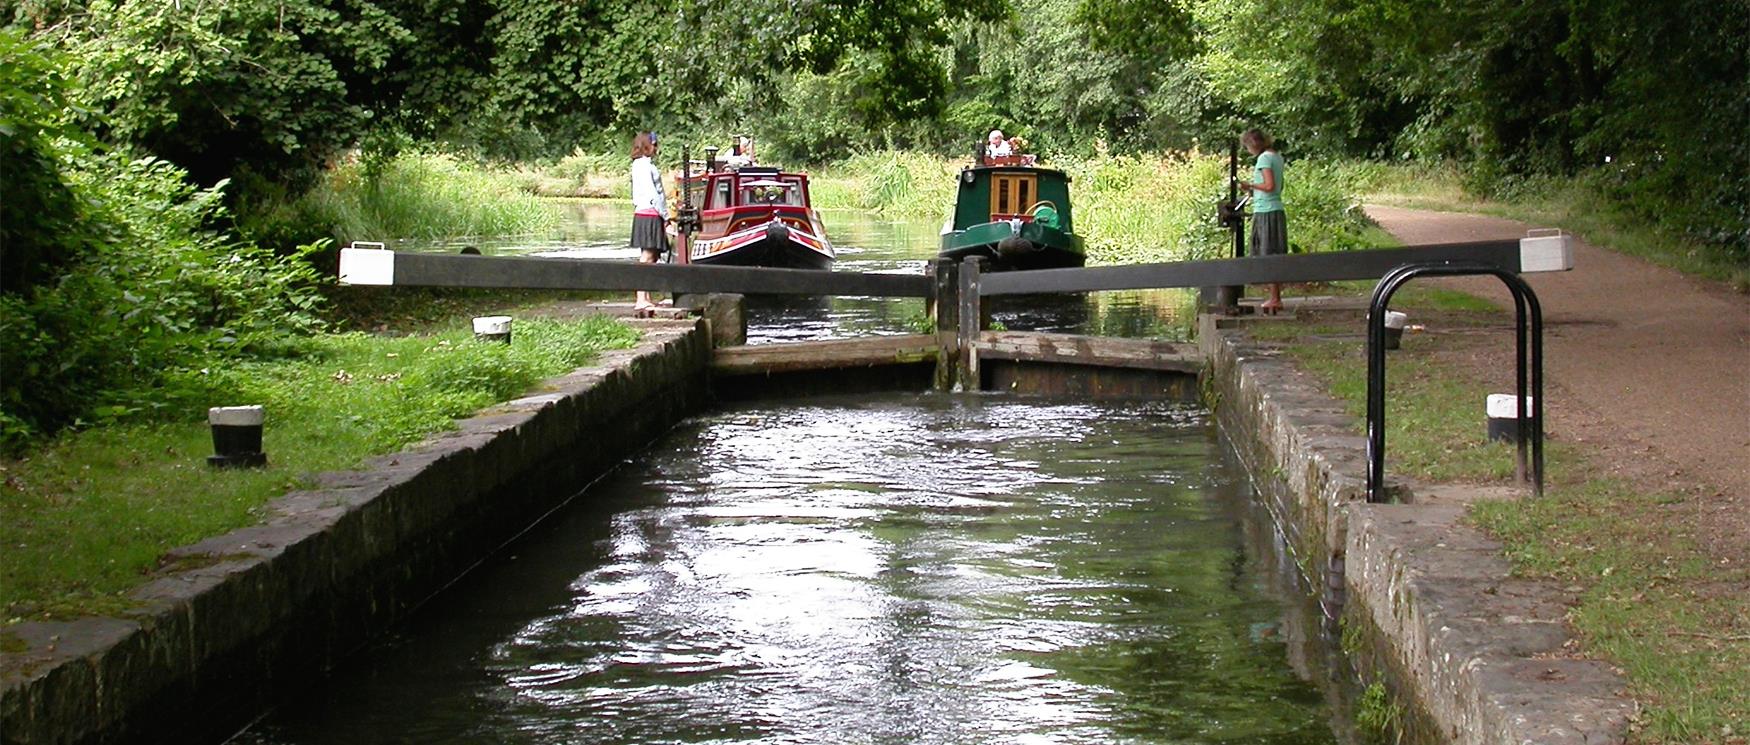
[(1575, 204), (412, 196), (1129, 209), (1650, 600), (84, 516)]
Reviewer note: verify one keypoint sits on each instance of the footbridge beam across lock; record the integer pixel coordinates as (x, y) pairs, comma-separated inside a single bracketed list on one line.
[(364, 266)]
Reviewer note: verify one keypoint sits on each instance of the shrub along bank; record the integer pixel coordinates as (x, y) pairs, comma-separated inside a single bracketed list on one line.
[(128, 306)]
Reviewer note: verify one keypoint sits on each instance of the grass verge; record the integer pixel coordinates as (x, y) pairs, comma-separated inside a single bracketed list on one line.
[(1574, 204), (85, 516), (1651, 601)]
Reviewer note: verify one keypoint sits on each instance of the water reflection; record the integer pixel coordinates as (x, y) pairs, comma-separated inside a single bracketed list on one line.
[(866, 242), (872, 569)]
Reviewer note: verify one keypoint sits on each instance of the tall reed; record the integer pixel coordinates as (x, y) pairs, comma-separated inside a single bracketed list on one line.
[(426, 196)]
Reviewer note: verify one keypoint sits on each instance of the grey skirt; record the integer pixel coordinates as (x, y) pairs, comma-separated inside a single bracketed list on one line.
[(1270, 233), (647, 234)]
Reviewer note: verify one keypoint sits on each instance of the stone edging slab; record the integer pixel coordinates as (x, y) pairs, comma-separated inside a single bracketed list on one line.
[(1427, 602), (240, 618)]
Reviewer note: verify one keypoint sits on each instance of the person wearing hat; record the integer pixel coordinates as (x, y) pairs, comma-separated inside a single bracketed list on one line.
[(996, 146), (649, 209)]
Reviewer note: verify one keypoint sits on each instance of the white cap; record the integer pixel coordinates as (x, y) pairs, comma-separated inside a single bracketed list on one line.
[(1501, 406), (235, 416), (492, 325)]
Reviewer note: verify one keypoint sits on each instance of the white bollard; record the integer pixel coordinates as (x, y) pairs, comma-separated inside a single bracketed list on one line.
[(492, 328), (1394, 328), (1504, 416)]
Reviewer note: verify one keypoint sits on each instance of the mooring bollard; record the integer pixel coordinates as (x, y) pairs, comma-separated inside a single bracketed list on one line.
[(492, 328), (236, 437), (1394, 329), (1504, 417)]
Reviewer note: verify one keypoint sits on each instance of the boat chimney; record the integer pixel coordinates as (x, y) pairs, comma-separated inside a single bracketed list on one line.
[(711, 158)]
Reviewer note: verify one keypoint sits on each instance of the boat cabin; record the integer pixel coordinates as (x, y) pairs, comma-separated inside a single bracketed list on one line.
[(993, 193), (728, 200)]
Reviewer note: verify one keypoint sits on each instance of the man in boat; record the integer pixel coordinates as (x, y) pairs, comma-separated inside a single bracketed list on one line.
[(996, 146)]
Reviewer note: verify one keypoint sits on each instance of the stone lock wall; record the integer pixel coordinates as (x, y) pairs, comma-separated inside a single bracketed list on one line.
[(1429, 606), (236, 619)]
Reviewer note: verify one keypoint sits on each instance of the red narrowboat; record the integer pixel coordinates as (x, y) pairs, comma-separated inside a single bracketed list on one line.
[(756, 216)]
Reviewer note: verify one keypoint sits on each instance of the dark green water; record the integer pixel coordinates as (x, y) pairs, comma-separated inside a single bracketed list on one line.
[(872, 569)]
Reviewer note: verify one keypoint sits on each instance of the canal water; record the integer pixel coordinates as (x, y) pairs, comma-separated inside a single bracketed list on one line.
[(866, 242), (867, 569)]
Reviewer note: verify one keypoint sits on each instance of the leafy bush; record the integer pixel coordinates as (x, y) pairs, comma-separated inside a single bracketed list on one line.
[(130, 283)]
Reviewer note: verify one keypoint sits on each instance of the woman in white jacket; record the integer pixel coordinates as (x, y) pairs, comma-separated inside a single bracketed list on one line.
[(649, 208)]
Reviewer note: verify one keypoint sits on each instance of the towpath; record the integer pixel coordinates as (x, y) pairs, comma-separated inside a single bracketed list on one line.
[(1647, 365)]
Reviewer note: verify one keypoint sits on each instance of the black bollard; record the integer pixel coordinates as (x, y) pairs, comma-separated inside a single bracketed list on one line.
[(236, 437)]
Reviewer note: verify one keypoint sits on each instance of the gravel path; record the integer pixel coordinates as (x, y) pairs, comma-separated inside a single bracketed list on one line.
[(1651, 366)]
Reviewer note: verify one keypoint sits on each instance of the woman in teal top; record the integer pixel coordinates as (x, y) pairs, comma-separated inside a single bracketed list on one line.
[(1269, 221)]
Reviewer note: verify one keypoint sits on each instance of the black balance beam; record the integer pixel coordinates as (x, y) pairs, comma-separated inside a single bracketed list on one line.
[(1319, 267), (362, 266)]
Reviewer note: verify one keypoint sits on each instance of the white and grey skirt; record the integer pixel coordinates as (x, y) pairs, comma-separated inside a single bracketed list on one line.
[(1270, 233), (647, 234)]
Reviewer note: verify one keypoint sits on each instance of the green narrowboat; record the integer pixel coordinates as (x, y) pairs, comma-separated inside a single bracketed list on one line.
[(1014, 213)]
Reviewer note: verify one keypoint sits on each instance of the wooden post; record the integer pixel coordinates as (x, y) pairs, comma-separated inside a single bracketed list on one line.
[(971, 323), (728, 320), (945, 312)]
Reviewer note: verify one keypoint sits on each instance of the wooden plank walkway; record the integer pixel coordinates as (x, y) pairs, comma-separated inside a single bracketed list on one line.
[(1072, 349), (765, 359), (1017, 346)]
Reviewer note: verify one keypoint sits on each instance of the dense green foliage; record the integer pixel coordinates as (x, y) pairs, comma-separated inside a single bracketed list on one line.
[(121, 281), (1641, 102), (85, 515)]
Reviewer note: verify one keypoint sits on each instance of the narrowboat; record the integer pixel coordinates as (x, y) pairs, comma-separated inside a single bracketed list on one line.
[(755, 216), (1015, 213)]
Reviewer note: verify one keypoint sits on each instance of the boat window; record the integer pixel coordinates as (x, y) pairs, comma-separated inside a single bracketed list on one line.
[(720, 199), (1012, 193), (766, 190)]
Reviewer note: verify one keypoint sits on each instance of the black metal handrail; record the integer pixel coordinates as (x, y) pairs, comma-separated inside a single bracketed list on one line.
[(1529, 424)]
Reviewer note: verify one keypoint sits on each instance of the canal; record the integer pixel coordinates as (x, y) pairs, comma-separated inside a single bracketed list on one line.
[(894, 568)]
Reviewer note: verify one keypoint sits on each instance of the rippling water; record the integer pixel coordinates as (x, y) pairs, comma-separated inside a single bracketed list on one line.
[(886, 569)]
